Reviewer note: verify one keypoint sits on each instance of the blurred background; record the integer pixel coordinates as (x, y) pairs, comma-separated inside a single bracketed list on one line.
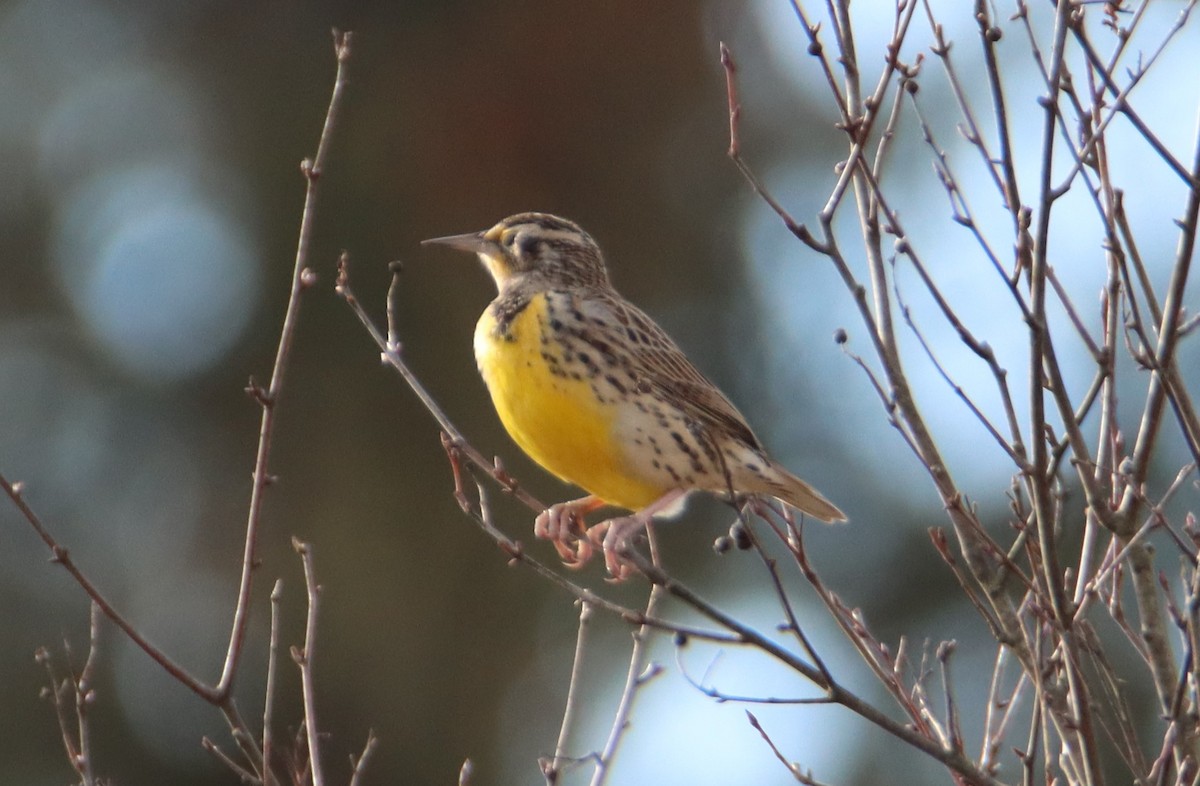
[(149, 200)]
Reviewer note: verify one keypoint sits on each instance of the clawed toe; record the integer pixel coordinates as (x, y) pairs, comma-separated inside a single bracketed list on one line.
[(614, 537), (574, 551), (563, 525)]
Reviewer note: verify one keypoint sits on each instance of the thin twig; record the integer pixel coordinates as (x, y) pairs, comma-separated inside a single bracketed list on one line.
[(302, 279), (1039, 348), (552, 769), (84, 696), (390, 353), (805, 778), (269, 699), (73, 695), (60, 555), (704, 686), (837, 694), (635, 675), (944, 651), (304, 659), (1121, 96), (243, 774), (358, 766), (793, 622)]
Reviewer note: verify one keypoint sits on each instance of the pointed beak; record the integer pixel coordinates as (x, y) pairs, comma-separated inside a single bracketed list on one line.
[(474, 242)]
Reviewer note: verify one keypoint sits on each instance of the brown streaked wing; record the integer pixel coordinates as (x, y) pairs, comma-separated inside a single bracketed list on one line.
[(663, 366)]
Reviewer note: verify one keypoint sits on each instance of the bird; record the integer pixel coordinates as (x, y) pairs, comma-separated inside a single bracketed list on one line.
[(597, 394)]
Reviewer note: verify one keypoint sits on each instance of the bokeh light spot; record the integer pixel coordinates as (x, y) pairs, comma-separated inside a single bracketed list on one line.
[(163, 280)]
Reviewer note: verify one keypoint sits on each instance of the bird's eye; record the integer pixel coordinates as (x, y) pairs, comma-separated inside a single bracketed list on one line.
[(527, 245)]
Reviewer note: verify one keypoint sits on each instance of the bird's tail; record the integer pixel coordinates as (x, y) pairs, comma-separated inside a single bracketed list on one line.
[(801, 496)]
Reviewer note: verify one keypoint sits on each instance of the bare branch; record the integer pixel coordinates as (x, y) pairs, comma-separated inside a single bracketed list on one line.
[(635, 677), (552, 768), (269, 700), (805, 778), (302, 278), (304, 659), (358, 766), (60, 556)]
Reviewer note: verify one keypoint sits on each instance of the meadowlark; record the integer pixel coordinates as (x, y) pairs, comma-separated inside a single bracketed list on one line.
[(598, 394)]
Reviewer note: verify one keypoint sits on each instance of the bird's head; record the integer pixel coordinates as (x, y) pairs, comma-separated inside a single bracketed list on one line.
[(534, 249)]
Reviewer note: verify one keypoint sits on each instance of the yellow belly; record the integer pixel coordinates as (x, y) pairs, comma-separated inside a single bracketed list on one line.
[(555, 419)]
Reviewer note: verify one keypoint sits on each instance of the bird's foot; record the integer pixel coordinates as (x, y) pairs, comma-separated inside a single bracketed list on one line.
[(562, 524), (615, 538)]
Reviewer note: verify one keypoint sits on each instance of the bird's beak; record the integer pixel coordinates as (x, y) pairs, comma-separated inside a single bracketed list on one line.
[(475, 242)]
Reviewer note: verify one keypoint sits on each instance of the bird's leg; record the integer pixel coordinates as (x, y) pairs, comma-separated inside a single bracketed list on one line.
[(563, 525), (614, 536)]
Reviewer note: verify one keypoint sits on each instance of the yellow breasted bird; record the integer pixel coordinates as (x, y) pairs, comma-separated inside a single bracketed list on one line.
[(598, 394)]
